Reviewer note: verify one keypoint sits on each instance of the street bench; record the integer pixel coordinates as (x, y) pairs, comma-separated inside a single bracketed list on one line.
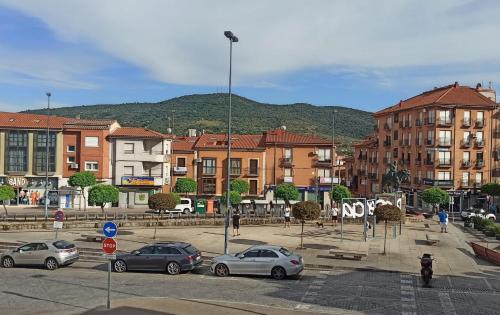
[(93, 237), (342, 254), (432, 239)]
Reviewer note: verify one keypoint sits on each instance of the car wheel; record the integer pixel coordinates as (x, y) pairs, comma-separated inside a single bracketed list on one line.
[(7, 262), (51, 263), (185, 211), (493, 219), (278, 273), (173, 268), (221, 270), (120, 266)]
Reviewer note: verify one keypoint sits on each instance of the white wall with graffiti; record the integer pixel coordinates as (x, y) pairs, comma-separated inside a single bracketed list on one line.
[(355, 208)]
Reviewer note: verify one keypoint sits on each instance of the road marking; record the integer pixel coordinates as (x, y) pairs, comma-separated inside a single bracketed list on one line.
[(312, 291), (318, 282), (408, 303), (302, 307), (446, 303), (488, 284)]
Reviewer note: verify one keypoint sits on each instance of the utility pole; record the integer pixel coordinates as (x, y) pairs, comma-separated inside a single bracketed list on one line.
[(47, 158), (333, 157)]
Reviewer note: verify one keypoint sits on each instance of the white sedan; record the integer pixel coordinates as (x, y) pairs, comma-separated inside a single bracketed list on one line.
[(469, 214)]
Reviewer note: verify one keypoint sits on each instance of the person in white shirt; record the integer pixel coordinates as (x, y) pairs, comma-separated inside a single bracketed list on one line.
[(287, 216), (335, 213)]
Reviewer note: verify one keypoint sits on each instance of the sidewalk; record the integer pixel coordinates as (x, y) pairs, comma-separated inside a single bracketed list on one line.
[(454, 256)]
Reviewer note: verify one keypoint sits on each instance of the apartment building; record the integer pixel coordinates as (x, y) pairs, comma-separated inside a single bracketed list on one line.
[(444, 137), (140, 164), (184, 157)]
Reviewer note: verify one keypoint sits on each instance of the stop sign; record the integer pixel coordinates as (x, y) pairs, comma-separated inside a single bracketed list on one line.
[(109, 246)]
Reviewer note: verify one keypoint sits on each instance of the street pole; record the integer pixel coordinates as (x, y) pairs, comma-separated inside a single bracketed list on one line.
[(108, 304), (47, 158), (232, 38), (333, 158)]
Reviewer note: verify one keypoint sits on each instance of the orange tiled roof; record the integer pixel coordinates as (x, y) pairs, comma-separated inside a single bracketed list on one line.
[(218, 141), (448, 95), (133, 132), (184, 143), (280, 136), (368, 142), (30, 121)]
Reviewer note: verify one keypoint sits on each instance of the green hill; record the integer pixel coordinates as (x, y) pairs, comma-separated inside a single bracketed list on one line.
[(209, 112)]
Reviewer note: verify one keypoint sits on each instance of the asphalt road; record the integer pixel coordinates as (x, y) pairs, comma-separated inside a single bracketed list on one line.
[(78, 288)]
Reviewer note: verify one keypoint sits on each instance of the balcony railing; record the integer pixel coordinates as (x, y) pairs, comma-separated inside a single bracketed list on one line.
[(466, 143), (407, 124), (180, 170), (466, 122), (444, 162), (288, 179), (387, 143), (480, 143), (429, 142), (406, 142), (323, 162), (287, 161), (466, 163), (387, 126), (428, 162), (444, 122), (418, 122), (480, 123), (444, 142), (418, 162), (387, 160), (479, 164), (428, 121), (417, 180)]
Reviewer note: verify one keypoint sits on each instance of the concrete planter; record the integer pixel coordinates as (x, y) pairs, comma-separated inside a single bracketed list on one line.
[(486, 253)]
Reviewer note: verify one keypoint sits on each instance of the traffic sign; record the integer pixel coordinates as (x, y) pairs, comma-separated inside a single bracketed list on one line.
[(109, 246), (110, 229), (59, 216), (58, 225)]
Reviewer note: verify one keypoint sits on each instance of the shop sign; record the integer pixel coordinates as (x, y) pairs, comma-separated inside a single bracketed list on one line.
[(17, 181), (138, 181)]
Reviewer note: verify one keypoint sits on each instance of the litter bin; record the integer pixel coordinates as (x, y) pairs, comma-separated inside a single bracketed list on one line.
[(200, 207)]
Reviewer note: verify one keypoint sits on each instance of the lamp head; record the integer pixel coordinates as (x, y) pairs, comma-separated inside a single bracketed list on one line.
[(48, 94), (228, 34)]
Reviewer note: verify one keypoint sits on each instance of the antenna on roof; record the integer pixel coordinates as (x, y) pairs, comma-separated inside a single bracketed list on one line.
[(489, 85)]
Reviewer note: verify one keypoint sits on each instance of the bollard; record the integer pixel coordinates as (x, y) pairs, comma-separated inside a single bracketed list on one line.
[(394, 231)]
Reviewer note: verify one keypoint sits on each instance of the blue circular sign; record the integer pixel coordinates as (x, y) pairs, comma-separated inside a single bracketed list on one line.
[(110, 229)]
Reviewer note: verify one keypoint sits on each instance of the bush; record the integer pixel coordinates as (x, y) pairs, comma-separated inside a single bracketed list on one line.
[(388, 213), (340, 192), (185, 185), (162, 201), (239, 185)]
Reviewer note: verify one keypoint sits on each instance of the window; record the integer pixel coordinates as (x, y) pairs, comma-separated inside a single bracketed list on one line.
[(191, 250), (430, 137), (28, 247), (42, 246), (91, 166), (288, 172), (430, 158), (465, 178), (128, 171), (396, 135), (92, 142), (253, 187), (467, 137), (466, 156), (168, 251), (445, 117), (71, 149), (480, 117), (63, 245), (148, 250), (128, 148), (479, 178), (285, 252), (235, 167), (71, 160), (431, 116), (323, 172), (324, 155), (288, 153), (17, 151), (430, 174), (268, 254), (208, 186), (479, 136), (209, 167), (445, 137), (467, 118), (41, 152), (254, 167), (181, 162), (252, 253), (444, 176), (444, 158), (479, 157)]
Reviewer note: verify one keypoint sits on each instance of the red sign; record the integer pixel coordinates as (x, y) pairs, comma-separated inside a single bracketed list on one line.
[(59, 216), (109, 246)]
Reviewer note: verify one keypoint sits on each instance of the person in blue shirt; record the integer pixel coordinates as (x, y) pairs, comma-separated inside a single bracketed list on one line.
[(443, 220)]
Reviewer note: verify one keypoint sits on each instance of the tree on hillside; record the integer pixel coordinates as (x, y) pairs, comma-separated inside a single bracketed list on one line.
[(185, 185), (287, 192), (103, 194), (6, 193), (340, 192), (305, 211), (82, 180), (435, 196), (239, 185), (387, 213), (163, 202)]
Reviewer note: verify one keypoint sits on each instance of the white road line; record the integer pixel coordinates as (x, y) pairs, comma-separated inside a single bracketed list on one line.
[(488, 284), (446, 303), (408, 303), (302, 307)]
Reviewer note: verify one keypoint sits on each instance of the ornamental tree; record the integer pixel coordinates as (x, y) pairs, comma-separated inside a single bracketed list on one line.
[(435, 196), (287, 192), (387, 213), (82, 180), (185, 185), (305, 211), (103, 194), (340, 192), (163, 202), (239, 185), (234, 198), (6, 193), (492, 189)]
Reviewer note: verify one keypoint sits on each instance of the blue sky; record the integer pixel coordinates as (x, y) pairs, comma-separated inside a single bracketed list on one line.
[(361, 54)]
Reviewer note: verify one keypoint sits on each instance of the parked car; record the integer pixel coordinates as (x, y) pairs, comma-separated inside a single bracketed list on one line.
[(50, 254), (275, 261), (170, 257), (186, 206), (470, 213)]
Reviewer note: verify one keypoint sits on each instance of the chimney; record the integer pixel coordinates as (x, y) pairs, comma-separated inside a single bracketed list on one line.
[(456, 84), (192, 132)]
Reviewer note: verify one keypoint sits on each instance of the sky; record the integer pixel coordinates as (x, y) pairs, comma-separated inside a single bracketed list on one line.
[(361, 54)]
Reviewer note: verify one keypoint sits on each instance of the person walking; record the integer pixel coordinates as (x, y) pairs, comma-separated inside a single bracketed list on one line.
[(335, 213), (236, 223), (287, 216), (443, 220)]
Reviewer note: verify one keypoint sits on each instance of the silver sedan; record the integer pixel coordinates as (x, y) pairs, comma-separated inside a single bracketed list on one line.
[(276, 261)]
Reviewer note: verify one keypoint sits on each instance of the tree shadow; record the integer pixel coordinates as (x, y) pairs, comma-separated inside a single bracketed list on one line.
[(319, 246), (244, 241), (124, 310)]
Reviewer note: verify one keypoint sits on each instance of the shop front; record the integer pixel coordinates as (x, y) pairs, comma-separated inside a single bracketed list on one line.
[(31, 190), (136, 190)]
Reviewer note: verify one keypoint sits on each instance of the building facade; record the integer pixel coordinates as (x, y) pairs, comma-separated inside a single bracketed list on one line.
[(444, 137)]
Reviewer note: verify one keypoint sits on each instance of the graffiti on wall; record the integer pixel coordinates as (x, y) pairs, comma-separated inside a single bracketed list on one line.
[(357, 208)]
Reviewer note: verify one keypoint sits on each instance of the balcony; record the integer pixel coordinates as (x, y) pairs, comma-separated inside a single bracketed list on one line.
[(466, 123), (465, 143), (466, 163), (479, 164), (180, 170), (387, 143), (406, 142), (444, 142), (443, 182), (472, 183), (429, 121), (387, 126), (418, 142), (253, 172), (372, 176), (418, 162), (387, 160), (428, 162), (444, 162), (287, 179), (287, 161), (480, 143), (448, 122), (407, 124), (324, 162), (429, 142), (417, 181), (480, 123), (418, 122), (154, 156)]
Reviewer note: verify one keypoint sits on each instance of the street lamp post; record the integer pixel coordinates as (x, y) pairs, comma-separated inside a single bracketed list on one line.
[(333, 157), (47, 158), (232, 39)]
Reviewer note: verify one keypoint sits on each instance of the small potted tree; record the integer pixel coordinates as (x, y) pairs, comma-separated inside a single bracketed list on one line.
[(305, 211), (387, 213)]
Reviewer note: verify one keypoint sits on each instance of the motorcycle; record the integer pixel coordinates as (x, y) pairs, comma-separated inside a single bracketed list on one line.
[(426, 270)]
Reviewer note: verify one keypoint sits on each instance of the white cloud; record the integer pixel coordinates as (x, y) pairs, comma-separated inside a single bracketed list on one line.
[(182, 42)]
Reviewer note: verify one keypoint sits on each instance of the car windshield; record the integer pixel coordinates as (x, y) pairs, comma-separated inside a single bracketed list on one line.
[(285, 251), (184, 202), (191, 250), (63, 245)]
